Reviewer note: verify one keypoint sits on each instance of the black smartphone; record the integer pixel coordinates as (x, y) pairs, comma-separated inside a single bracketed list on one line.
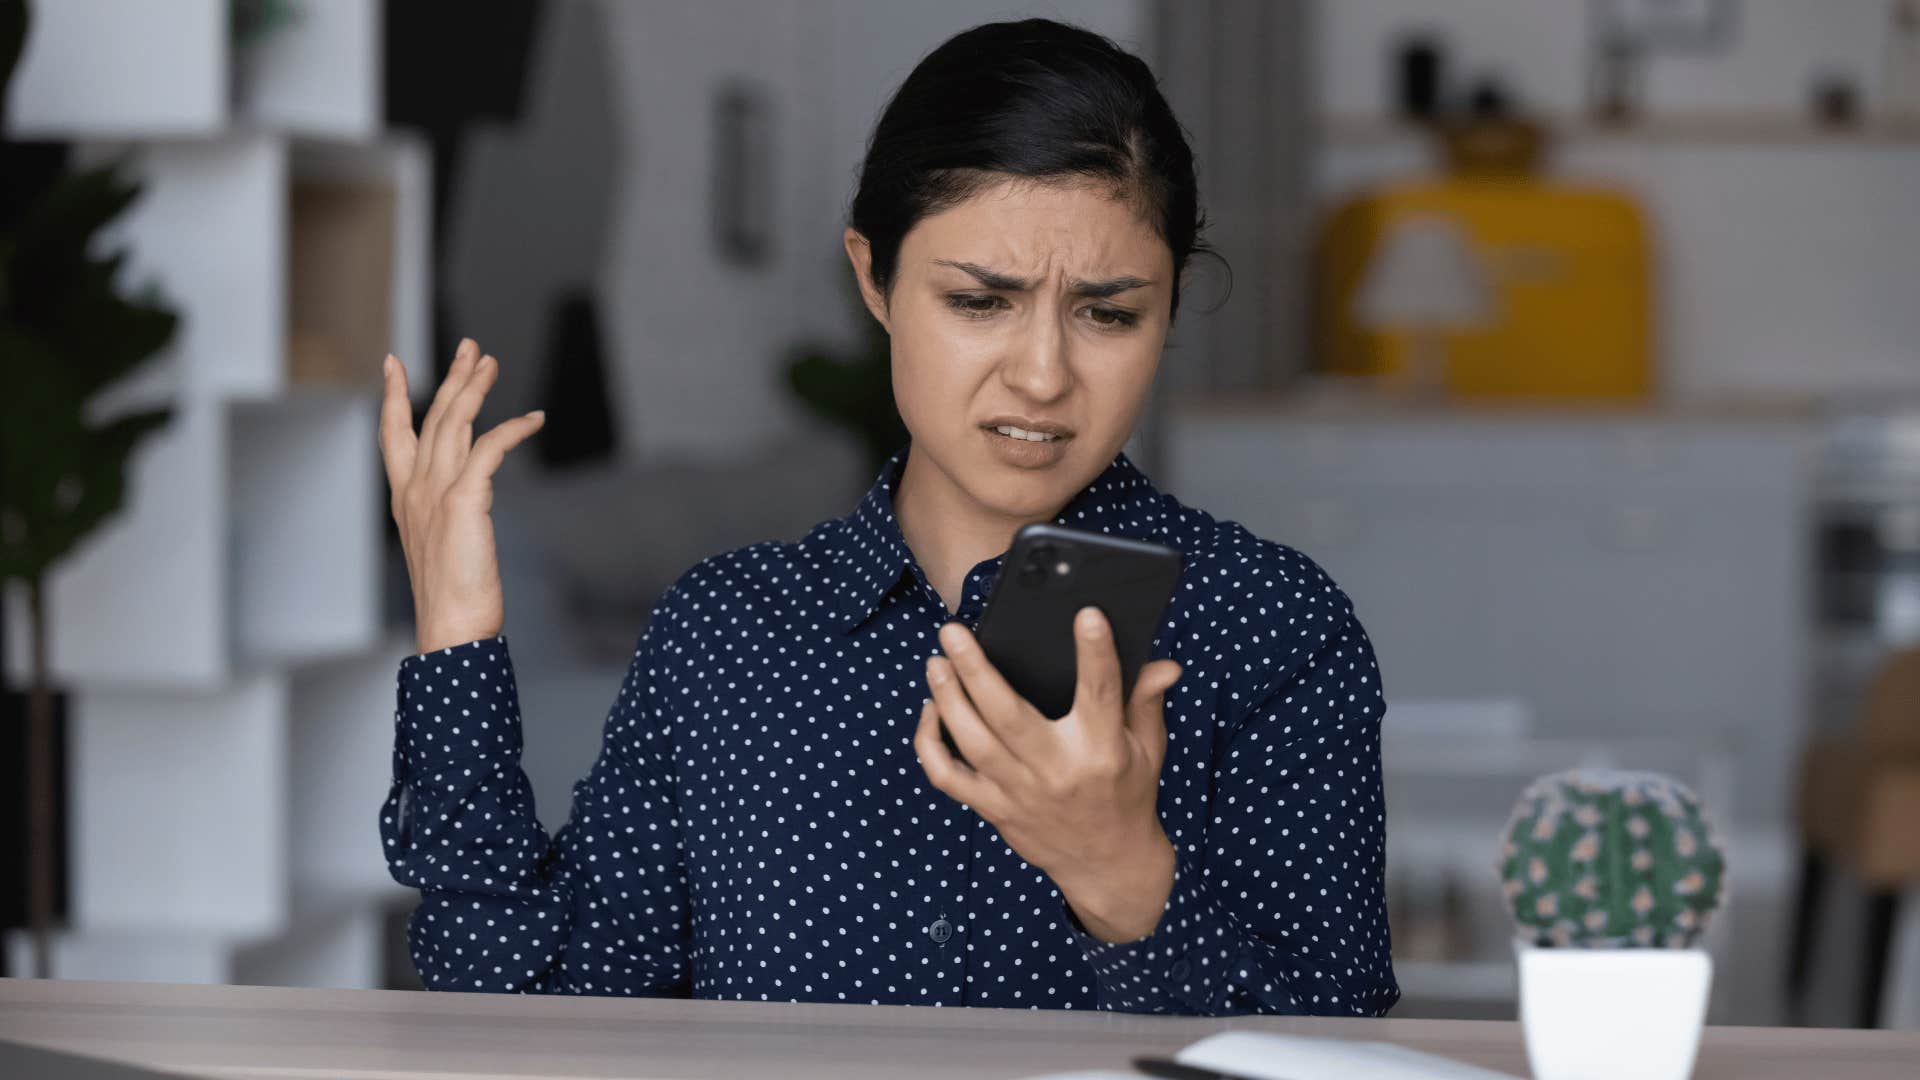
[(1050, 573)]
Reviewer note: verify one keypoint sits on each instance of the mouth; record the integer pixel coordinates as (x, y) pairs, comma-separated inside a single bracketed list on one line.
[(1030, 431)]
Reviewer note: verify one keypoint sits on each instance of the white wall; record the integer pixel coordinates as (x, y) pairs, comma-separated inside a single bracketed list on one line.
[(1783, 264)]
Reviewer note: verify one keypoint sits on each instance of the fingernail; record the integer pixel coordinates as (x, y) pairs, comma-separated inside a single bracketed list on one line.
[(1089, 622), (537, 414), (386, 366), (936, 674)]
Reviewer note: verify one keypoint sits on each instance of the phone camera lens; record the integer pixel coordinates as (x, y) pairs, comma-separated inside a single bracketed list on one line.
[(1032, 574)]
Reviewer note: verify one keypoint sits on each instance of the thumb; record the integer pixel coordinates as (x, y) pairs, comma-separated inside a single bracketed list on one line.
[(1146, 709)]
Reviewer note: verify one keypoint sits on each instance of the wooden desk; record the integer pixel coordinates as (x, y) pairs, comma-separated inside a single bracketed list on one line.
[(263, 1033)]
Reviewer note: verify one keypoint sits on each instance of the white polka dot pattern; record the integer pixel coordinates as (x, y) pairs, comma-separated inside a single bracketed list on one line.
[(756, 825)]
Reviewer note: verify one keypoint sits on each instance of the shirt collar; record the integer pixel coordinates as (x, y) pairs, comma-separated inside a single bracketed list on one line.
[(874, 553)]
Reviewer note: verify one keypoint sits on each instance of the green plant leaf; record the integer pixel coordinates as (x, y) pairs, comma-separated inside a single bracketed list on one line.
[(67, 333)]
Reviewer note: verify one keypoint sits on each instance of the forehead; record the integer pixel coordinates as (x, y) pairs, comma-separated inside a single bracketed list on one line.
[(1021, 224)]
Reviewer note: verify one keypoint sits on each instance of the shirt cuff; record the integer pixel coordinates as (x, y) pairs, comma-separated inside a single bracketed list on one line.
[(456, 707), (1179, 965)]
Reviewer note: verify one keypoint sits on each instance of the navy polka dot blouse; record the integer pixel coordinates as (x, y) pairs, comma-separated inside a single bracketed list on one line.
[(757, 826)]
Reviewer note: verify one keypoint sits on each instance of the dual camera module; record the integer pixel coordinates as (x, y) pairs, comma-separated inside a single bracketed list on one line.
[(1046, 562)]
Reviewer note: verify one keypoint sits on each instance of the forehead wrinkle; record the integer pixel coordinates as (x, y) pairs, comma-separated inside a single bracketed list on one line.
[(1055, 254), (1052, 232), (994, 278)]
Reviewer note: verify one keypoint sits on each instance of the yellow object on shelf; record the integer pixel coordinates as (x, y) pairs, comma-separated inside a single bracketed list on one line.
[(1567, 269)]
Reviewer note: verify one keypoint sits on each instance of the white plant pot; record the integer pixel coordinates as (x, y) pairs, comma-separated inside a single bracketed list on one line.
[(1602, 1014)]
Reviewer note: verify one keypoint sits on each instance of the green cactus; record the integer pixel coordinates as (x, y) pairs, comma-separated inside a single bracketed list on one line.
[(1603, 858)]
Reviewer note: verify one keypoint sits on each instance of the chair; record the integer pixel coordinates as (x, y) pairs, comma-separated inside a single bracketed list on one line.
[(1859, 803)]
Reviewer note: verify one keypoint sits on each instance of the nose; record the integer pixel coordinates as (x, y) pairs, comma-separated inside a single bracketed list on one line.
[(1037, 369)]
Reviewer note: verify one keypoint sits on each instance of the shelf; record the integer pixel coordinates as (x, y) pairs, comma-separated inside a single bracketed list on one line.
[(250, 537), (180, 809), (267, 473), (304, 527), (318, 75), (95, 68), (222, 638), (1734, 129), (137, 69), (359, 211), (143, 601), (289, 259), (210, 230)]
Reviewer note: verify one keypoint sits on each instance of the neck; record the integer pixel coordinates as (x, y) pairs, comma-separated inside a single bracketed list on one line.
[(948, 531)]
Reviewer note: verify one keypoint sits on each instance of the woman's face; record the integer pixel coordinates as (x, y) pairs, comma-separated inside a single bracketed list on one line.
[(1033, 306)]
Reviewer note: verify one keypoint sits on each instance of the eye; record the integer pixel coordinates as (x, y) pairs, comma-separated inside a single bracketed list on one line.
[(976, 305), (1112, 318)]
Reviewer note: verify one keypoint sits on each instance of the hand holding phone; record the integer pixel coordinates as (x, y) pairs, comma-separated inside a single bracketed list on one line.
[(1049, 574)]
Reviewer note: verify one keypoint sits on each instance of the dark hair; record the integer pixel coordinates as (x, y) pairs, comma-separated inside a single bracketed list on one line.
[(1035, 98)]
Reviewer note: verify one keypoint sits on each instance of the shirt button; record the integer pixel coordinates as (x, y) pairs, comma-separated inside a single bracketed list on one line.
[(940, 931), (1180, 969)]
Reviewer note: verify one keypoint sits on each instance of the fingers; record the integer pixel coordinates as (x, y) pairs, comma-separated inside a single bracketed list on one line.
[(1096, 690), (463, 360), (1146, 710), (453, 439), (981, 745), (397, 444), (949, 775), (1002, 708), (491, 449)]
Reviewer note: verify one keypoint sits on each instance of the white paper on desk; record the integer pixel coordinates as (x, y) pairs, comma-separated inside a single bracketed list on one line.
[(1261, 1055)]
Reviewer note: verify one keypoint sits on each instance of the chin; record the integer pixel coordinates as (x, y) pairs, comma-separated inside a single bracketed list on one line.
[(1038, 506), (1025, 492)]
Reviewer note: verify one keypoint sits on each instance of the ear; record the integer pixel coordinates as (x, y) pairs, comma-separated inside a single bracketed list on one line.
[(860, 254)]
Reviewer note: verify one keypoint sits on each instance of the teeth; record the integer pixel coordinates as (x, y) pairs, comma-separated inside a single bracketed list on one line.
[(1022, 433)]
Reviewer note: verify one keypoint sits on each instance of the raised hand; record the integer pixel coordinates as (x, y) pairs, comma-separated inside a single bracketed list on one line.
[(442, 485)]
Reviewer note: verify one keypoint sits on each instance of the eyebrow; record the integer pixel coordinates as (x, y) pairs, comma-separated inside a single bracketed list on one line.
[(995, 279)]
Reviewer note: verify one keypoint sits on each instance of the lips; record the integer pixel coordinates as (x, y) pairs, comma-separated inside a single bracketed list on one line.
[(1028, 429), (1028, 444), (1029, 436)]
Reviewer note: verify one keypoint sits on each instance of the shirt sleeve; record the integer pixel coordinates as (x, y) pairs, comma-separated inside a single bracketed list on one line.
[(601, 907), (1281, 909)]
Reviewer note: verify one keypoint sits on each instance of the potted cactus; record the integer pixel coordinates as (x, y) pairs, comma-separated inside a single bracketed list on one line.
[(1612, 876)]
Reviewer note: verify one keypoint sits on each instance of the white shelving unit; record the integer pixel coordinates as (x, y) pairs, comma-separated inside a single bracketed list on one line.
[(103, 68), (231, 681)]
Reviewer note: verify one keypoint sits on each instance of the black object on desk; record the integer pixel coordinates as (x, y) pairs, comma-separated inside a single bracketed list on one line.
[(1169, 1069)]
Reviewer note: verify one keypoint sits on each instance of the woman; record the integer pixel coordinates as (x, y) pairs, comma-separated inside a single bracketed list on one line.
[(773, 814)]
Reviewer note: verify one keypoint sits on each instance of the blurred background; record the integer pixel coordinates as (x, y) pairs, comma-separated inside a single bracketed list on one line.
[(1578, 339)]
